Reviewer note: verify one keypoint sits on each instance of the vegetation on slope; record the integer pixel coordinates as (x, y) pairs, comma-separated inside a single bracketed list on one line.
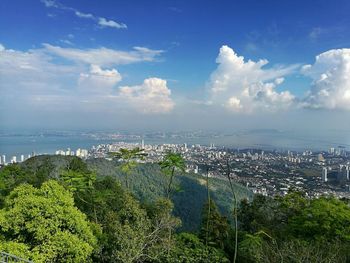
[(61, 209)]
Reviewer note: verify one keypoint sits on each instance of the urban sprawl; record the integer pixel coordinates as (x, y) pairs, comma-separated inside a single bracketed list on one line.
[(265, 172)]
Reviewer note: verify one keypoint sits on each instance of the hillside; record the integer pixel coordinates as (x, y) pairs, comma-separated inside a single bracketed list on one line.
[(147, 183)]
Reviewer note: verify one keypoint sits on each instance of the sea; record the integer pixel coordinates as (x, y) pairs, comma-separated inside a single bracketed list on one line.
[(16, 144)]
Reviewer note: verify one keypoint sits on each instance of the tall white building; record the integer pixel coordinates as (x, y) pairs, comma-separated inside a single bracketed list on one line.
[(14, 159), (22, 158), (324, 175), (4, 159)]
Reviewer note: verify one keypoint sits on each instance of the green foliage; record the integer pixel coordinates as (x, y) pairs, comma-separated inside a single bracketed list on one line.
[(218, 230), (323, 219), (172, 163), (20, 250), (299, 251), (77, 181), (129, 158), (295, 229), (129, 232), (46, 221), (149, 182), (190, 249)]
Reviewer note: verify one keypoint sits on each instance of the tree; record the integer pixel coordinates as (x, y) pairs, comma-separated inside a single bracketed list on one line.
[(171, 163), (218, 230), (129, 158), (324, 219), (190, 249), (130, 232), (226, 168), (45, 222)]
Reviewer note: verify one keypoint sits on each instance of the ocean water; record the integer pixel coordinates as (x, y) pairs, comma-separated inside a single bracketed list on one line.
[(18, 144)]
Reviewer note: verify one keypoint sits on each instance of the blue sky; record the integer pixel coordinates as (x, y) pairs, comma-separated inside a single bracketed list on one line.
[(166, 64)]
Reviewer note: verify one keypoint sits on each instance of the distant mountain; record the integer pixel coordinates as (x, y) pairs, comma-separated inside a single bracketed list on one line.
[(148, 183)]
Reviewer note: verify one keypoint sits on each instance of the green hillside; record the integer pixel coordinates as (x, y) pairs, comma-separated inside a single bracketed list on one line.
[(148, 183)]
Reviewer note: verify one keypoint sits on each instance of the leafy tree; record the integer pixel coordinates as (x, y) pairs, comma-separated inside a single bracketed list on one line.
[(190, 249), (218, 228), (78, 165), (296, 250), (10, 176), (227, 171), (45, 222), (324, 219), (129, 158), (129, 232), (171, 163)]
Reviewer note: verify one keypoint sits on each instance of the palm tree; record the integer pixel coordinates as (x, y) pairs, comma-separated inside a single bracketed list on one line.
[(171, 163), (129, 158)]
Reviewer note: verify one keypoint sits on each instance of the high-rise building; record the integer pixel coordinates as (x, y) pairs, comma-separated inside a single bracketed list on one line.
[(4, 159), (14, 159), (68, 152), (324, 175), (347, 172), (343, 174), (22, 158), (142, 144)]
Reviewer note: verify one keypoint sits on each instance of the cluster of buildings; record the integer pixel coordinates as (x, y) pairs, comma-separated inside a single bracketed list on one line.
[(265, 172), (82, 153), (4, 161)]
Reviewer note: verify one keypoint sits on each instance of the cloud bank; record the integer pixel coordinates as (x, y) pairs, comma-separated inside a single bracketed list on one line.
[(152, 96), (40, 78), (330, 88), (246, 86)]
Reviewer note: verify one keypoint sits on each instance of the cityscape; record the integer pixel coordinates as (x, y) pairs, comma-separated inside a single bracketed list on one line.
[(263, 172), (175, 131)]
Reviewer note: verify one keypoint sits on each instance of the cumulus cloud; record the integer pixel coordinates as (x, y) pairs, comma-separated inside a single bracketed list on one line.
[(104, 56), (152, 96), (245, 86), (331, 81), (99, 80)]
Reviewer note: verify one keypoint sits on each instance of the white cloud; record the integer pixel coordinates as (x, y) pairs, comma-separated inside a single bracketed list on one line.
[(152, 96), (331, 81), (66, 41), (83, 15), (36, 79), (99, 80), (104, 56), (103, 22), (49, 3), (246, 86)]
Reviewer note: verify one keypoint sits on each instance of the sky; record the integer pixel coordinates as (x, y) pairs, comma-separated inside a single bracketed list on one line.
[(175, 65)]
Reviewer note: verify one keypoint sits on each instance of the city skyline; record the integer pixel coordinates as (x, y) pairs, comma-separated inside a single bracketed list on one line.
[(175, 65)]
